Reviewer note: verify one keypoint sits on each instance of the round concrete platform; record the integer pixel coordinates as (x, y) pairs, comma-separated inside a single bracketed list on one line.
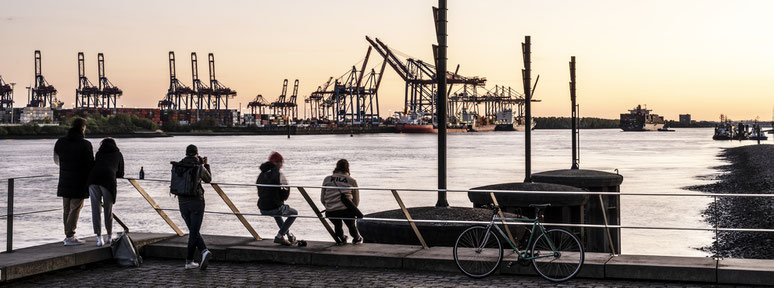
[(435, 234), (523, 200), (581, 178)]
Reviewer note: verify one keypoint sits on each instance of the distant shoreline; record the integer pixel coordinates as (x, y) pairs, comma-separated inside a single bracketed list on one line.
[(751, 170)]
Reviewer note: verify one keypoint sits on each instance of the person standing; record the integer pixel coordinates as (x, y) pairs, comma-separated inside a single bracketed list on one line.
[(334, 205), (74, 155), (108, 165), (271, 200), (192, 209)]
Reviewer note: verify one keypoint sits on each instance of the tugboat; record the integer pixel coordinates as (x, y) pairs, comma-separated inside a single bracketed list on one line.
[(640, 119)]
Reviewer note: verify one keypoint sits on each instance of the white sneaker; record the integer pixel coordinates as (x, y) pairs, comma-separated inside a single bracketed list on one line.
[(206, 255), (99, 241), (72, 241), (108, 240), (191, 265)]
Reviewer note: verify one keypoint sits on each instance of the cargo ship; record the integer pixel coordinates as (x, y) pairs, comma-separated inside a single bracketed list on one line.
[(640, 119), (507, 122)]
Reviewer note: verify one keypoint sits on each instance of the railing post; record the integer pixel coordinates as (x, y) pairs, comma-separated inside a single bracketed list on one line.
[(409, 219), (607, 228), (319, 215), (156, 207), (235, 211), (9, 219)]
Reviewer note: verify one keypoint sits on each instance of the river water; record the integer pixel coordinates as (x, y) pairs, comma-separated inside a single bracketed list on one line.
[(649, 161)]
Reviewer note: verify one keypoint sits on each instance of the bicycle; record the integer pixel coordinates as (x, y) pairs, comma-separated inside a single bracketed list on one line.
[(556, 254)]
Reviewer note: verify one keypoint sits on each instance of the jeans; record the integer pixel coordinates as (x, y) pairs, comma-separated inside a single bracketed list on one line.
[(97, 193), (72, 208), (283, 210), (193, 214), (351, 224)]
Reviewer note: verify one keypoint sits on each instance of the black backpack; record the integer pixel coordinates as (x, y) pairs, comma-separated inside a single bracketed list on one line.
[(185, 179)]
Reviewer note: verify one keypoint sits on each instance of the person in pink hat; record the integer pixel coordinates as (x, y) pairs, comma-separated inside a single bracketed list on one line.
[(271, 200)]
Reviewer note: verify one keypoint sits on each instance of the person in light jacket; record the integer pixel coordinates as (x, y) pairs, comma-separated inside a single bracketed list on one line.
[(108, 165), (334, 207)]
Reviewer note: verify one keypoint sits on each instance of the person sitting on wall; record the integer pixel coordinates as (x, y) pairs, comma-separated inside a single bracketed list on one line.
[(271, 200)]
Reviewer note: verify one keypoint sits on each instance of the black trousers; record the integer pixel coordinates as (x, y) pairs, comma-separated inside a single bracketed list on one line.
[(351, 224), (193, 214)]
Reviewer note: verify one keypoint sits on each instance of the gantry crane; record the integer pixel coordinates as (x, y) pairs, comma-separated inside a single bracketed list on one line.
[(220, 92), (6, 95), (178, 94), (108, 91), (280, 103), (42, 94), (86, 95)]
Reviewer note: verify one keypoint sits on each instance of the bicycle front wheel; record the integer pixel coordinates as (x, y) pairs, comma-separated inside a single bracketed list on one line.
[(478, 252), (564, 255)]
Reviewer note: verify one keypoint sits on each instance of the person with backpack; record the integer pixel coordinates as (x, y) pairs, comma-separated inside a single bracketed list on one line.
[(271, 200), (187, 176), (108, 165), (342, 203), (75, 157)]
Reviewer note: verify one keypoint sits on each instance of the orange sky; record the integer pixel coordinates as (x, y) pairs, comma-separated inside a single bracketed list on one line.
[(699, 57)]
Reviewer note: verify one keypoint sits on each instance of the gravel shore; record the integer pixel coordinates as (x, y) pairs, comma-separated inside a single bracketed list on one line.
[(751, 170)]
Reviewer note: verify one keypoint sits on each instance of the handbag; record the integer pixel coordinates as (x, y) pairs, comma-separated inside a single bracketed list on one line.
[(349, 204)]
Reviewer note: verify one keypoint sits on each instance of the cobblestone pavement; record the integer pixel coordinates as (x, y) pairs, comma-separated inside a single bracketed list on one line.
[(170, 273)]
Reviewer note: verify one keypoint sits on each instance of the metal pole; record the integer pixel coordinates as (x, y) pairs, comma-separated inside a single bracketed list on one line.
[(574, 115), (9, 219), (527, 77), (441, 104)]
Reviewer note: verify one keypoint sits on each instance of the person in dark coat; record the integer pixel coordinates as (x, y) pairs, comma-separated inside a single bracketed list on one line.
[(108, 165), (75, 157), (271, 200), (192, 210)]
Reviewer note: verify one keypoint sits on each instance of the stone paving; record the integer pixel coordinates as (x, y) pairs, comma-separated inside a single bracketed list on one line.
[(170, 273)]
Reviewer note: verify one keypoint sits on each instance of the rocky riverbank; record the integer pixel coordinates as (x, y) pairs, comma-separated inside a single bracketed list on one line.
[(751, 170)]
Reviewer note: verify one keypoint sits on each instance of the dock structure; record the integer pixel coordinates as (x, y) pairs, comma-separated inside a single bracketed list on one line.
[(108, 92), (38, 260)]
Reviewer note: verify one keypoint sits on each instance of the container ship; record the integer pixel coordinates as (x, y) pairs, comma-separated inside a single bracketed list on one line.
[(640, 119)]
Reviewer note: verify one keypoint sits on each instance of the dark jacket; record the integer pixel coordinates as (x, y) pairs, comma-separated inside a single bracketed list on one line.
[(205, 176), (108, 165), (270, 198), (75, 157)]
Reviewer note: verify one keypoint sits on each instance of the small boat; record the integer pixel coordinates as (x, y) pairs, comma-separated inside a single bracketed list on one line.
[(723, 131)]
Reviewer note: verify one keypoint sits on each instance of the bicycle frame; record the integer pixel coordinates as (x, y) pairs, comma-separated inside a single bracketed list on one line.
[(535, 225)]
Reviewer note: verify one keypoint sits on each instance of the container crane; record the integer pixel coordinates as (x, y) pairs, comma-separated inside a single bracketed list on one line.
[(178, 94), (6, 95), (87, 95), (108, 91), (42, 94)]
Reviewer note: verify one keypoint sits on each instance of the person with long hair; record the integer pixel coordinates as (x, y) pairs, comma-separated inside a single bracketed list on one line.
[(108, 165)]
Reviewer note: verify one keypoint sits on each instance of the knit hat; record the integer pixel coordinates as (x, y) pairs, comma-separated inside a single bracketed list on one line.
[(275, 157), (191, 150)]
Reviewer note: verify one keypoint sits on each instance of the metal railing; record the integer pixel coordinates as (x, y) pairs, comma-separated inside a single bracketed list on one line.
[(412, 222)]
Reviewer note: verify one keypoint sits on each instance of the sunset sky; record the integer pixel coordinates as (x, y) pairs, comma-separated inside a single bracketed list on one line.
[(701, 57)]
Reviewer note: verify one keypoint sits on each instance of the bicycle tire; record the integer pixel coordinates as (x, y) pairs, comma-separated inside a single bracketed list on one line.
[(568, 257), (474, 263)]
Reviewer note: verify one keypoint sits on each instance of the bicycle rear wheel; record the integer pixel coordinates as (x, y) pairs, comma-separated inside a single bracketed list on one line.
[(566, 255), (478, 252)]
